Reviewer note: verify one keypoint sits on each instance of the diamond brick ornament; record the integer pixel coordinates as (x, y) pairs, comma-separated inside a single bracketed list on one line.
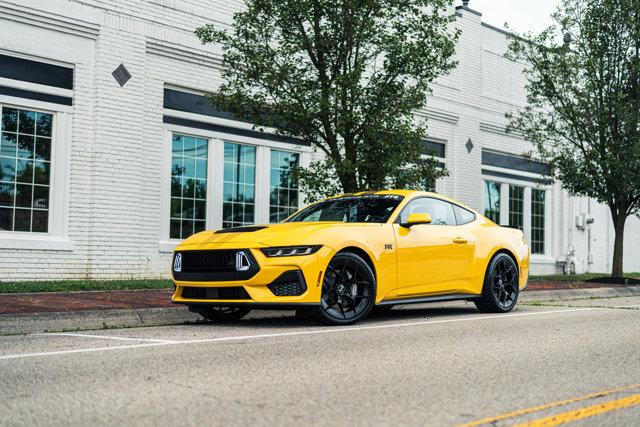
[(469, 146), (121, 75)]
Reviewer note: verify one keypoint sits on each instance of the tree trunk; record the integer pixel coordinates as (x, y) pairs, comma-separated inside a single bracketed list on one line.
[(349, 182), (618, 245)]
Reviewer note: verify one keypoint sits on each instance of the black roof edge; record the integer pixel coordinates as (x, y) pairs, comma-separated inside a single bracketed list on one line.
[(475, 12), (500, 30)]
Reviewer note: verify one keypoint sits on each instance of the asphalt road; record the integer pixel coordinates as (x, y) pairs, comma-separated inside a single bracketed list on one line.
[(442, 364)]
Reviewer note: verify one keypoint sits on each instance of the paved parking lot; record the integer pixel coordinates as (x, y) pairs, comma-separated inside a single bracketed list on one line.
[(443, 364)]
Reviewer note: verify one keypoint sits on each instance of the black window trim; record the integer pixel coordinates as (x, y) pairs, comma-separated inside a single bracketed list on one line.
[(455, 214)]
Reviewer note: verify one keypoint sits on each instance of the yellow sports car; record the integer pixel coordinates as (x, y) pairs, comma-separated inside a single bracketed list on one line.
[(344, 256)]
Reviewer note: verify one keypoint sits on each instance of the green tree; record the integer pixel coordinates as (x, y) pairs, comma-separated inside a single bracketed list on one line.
[(345, 75), (583, 110)]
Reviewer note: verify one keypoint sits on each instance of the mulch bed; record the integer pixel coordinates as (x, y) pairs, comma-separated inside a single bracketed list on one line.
[(78, 301), (611, 281)]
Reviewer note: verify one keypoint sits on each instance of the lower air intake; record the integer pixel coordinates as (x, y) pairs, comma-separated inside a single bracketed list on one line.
[(288, 284), (226, 293)]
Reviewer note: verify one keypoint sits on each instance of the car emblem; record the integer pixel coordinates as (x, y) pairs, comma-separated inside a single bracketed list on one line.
[(242, 261), (177, 263)]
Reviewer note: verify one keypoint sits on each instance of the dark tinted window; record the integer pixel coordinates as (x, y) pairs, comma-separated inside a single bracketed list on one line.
[(441, 212), (464, 216), (367, 208)]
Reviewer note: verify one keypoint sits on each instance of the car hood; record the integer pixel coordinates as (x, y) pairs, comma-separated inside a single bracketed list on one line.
[(281, 234)]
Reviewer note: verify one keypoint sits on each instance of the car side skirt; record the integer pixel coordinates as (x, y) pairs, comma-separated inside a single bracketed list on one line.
[(434, 298)]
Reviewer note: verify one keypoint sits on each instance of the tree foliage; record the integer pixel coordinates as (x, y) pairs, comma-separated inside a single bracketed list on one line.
[(583, 108), (345, 75)]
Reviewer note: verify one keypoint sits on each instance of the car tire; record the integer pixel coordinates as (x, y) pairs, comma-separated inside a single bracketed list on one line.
[(501, 285), (348, 290), (223, 314)]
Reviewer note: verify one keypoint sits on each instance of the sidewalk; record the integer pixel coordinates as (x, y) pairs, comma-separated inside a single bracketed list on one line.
[(63, 311)]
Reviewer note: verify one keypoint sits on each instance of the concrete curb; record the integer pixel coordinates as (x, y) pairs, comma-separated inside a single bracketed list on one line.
[(105, 319), (93, 319)]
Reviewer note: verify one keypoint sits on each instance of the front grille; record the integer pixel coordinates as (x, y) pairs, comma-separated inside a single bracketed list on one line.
[(230, 293), (208, 261), (215, 266), (289, 283)]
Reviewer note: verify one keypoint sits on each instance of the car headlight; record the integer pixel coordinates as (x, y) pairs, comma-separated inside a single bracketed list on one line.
[(277, 251)]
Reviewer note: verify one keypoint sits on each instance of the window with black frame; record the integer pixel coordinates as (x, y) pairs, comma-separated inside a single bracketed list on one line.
[(188, 186), (239, 187), (25, 169), (537, 221), (492, 201), (516, 207), (283, 188)]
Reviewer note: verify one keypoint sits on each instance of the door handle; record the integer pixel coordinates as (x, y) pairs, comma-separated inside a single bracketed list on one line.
[(460, 240)]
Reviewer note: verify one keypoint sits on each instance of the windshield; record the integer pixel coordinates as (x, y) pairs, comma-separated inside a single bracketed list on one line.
[(366, 208)]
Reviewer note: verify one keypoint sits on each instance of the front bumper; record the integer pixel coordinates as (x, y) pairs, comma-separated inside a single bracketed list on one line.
[(259, 293)]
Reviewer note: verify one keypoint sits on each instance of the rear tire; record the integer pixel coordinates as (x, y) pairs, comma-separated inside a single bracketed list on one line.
[(223, 314), (348, 291), (501, 286)]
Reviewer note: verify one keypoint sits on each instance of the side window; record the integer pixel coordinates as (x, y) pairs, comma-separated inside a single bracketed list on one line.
[(464, 216), (441, 212)]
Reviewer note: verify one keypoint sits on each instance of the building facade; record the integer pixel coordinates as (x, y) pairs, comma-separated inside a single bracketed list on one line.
[(110, 154)]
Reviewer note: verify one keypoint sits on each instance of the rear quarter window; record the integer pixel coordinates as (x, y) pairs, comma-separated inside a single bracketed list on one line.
[(463, 216)]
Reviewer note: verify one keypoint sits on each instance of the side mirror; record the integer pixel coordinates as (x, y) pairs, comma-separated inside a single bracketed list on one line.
[(416, 219)]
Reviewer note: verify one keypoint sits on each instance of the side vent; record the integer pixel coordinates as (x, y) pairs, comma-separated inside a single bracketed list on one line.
[(240, 229)]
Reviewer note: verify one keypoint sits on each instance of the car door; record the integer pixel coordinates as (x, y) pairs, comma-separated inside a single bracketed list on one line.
[(432, 258)]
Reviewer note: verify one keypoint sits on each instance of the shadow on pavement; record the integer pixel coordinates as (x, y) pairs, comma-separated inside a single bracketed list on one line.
[(287, 319)]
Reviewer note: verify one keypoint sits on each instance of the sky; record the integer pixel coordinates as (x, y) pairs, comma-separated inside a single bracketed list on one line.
[(522, 15)]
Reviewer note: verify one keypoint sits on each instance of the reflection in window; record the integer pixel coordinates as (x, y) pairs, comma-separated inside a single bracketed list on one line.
[(188, 186), (369, 208), (516, 207), (25, 163), (238, 203), (492, 201), (537, 221), (283, 190)]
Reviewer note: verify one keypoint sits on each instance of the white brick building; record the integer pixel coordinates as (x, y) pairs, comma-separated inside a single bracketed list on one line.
[(88, 167)]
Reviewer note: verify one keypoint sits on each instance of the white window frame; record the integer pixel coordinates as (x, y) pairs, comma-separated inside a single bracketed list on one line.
[(57, 236), (215, 174), (504, 206)]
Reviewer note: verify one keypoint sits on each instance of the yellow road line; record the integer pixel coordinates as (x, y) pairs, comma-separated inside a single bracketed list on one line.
[(545, 406), (579, 414)]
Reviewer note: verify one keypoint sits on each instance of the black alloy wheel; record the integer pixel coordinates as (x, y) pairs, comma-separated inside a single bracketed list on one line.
[(348, 290), (501, 285), (223, 314)]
